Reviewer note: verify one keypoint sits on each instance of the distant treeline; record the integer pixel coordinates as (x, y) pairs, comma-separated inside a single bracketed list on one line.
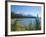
[(13, 15)]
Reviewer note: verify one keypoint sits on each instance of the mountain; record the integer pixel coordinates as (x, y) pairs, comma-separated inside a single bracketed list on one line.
[(29, 16), (13, 15)]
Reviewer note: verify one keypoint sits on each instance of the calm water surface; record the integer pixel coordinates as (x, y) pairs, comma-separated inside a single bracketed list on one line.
[(25, 21)]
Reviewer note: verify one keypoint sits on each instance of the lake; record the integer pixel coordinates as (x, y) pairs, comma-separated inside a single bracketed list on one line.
[(24, 21)]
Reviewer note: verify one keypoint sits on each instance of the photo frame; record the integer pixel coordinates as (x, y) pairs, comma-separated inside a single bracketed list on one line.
[(24, 18)]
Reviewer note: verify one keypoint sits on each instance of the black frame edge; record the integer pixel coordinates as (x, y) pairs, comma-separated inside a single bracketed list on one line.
[(44, 18), (5, 18)]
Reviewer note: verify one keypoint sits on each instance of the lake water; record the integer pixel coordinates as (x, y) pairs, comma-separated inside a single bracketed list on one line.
[(25, 21)]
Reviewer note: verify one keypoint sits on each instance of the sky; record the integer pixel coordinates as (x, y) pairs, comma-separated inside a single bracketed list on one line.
[(26, 10)]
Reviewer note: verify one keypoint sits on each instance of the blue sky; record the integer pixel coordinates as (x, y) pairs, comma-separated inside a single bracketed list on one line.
[(26, 10)]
